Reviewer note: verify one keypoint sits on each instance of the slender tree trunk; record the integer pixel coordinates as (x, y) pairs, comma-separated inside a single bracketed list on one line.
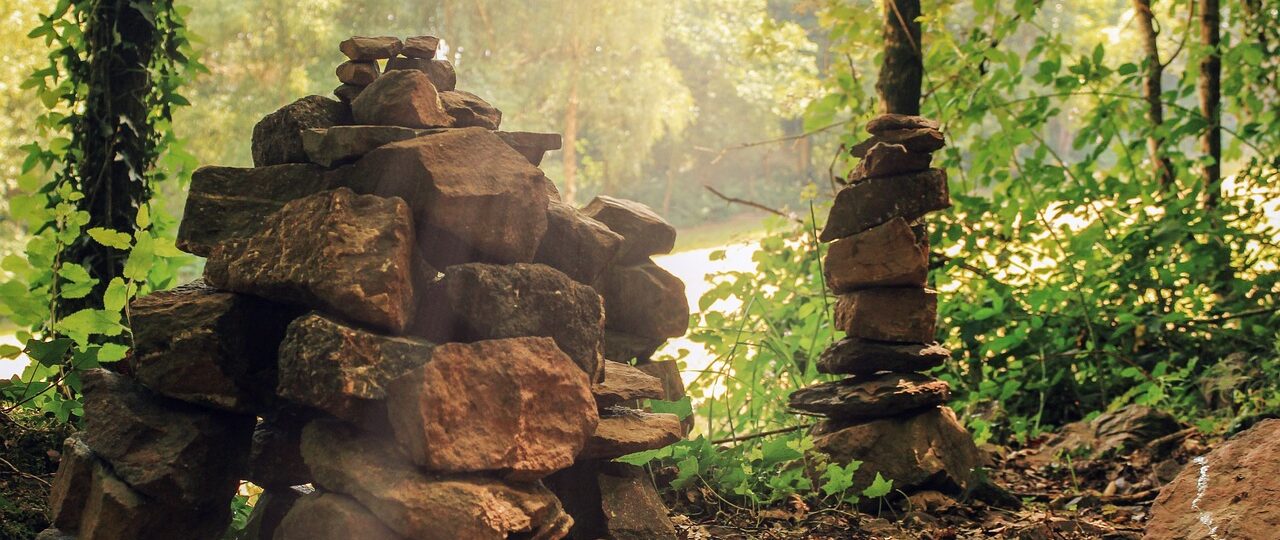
[(902, 72), (1151, 89), (1210, 87), (569, 155)]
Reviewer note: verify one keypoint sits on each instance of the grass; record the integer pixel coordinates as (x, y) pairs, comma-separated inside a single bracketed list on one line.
[(745, 226)]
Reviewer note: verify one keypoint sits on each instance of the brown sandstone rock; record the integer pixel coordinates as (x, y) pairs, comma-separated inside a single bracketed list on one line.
[(871, 396), (163, 448), (887, 255), (70, 489), (920, 141), (468, 110), (532, 145), (884, 159), (624, 384), (269, 511), (440, 72), (855, 356), (644, 233), (895, 122), (1109, 434), (929, 450), (400, 98), (625, 431), (334, 251), (644, 300), (343, 144), (864, 205), (424, 507), (624, 347), (899, 314), (361, 73), (370, 48), (1228, 493), (226, 203), (632, 508), (474, 199), (330, 516), (421, 47), (277, 138), (669, 374), (484, 301), (342, 370), (577, 245), (516, 405), (347, 93), (54, 534), (113, 511), (207, 347)]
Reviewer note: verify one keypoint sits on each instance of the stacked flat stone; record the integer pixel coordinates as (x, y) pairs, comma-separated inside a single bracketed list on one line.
[(400, 334), (886, 413)]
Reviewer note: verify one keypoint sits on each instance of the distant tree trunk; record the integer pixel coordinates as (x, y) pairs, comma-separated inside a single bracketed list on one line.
[(1210, 87), (1151, 89), (902, 72), (569, 155)]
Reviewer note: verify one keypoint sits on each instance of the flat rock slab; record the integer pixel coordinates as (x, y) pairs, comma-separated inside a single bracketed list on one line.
[(929, 449), (342, 370), (277, 138), (333, 251), (362, 72), (625, 431), (644, 300), (864, 205), (623, 347), (479, 301), (533, 146), (1228, 493), (625, 384), (164, 448), (643, 231), (899, 314), (400, 98), (474, 199), (853, 356), (518, 405), (371, 48), (871, 396), (211, 348), (421, 47), (330, 516), (920, 141), (343, 144), (468, 110), (888, 255), (440, 72), (226, 203), (427, 507), (895, 122), (885, 159)]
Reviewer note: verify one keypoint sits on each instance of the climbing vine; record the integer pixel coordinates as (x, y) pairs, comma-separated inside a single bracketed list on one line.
[(97, 233)]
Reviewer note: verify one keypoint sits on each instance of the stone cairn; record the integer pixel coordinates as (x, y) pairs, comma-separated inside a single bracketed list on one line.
[(886, 414), (401, 333)]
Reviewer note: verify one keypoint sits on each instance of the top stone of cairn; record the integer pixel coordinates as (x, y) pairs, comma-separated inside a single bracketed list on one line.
[(371, 48), (421, 47), (896, 122)]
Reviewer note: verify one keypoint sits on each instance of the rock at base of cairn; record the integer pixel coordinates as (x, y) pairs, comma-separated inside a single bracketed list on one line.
[(625, 431), (330, 516), (611, 500), (929, 450)]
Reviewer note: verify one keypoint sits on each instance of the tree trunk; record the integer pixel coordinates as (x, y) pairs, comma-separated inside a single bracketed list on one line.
[(112, 139), (902, 72), (1210, 102), (1162, 167)]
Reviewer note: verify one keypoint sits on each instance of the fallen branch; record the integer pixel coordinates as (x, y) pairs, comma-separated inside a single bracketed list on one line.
[(754, 204), (740, 438), (24, 474)]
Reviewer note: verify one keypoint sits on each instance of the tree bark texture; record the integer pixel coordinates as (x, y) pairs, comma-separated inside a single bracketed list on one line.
[(1161, 166), (1210, 89), (902, 72)]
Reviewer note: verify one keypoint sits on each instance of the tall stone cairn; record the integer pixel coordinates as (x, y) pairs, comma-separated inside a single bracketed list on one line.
[(402, 333), (885, 413)]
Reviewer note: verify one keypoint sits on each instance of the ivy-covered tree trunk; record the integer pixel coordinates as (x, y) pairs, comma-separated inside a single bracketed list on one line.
[(1151, 90), (902, 72), (113, 142)]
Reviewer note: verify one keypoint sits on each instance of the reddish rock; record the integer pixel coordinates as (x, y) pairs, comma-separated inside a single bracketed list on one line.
[(864, 205), (887, 255), (468, 110), (898, 314), (421, 47), (532, 145), (330, 516), (644, 232), (1228, 493), (669, 374), (515, 405), (70, 489), (361, 73), (855, 356), (211, 348), (577, 245), (625, 384), (871, 396), (474, 199), (400, 98), (347, 93), (625, 431), (632, 508), (896, 122), (342, 370), (477, 301), (277, 138), (884, 159), (929, 450), (440, 72), (226, 203), (920, 141), (344, 144), (370, 48), (333, 251), (423, 507), (644, 300)]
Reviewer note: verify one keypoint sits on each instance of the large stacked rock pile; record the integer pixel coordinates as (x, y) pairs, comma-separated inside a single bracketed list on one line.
[(401, 332), (885, 414)]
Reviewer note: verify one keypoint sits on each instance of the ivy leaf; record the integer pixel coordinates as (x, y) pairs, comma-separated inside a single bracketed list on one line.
[(837, 479), (110, 238), (777, 451), (49, 353), (878, 488), (90, 322), (112, 352)]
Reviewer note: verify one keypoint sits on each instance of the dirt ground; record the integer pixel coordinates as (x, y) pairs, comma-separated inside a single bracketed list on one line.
[(29, 456)]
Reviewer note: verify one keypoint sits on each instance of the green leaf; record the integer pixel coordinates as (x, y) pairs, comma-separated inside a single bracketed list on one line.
[(837, 479), (49, 353), (116, 296), (878, 488), (110, 238), (776, 451), (682, 408), (90, 322), (10, 352), (112, 352)]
